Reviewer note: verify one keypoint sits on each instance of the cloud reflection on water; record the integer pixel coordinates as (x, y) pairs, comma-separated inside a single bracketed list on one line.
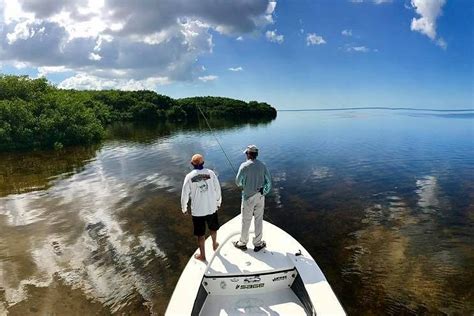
[(391, 253), (385, 199), (71, 231)]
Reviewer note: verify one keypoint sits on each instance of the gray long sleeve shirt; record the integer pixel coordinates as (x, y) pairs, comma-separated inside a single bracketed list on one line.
[(252, 176)]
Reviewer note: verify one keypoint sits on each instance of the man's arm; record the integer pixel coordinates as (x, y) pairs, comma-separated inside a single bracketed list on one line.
[(239, 178), (185, 193), (267, 182)]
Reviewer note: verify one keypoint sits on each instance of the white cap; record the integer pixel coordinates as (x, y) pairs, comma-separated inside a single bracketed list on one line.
[(251, 149)]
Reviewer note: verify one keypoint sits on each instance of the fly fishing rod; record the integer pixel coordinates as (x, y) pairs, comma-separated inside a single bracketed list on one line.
[(218, 142)]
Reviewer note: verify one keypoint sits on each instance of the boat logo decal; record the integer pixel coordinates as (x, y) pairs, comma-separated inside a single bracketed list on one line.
[(223, 285), (280, 278), (249, 286)]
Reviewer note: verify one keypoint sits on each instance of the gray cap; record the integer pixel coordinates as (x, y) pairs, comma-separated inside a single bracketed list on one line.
[(251, 149)]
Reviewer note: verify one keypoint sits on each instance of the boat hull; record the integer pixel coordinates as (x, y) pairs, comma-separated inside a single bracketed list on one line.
[(283, 278)]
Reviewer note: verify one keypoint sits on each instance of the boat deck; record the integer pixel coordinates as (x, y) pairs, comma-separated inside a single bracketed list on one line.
[(236, 282), (280, 302), (229, 260)]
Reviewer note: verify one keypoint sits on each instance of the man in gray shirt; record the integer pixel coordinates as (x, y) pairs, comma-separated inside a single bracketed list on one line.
[(255, 181)]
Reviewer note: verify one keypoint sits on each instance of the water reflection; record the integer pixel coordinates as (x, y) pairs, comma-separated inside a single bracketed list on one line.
[(384, 202), (70, 233), (397, 255), (80, 234), (427, 192), (26, 172)]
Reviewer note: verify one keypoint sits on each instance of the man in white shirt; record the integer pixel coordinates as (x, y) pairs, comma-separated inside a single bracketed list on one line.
[(202, 187)]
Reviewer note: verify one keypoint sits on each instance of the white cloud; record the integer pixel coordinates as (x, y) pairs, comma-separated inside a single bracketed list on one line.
[(346, 32), (314, 39), (274, 37), (236, 69), (208, 78), (12, 12), (23, 31), (429, 11), (441, 43), (109, 38), (20, 65), (83, 81), (360, 49), (94, 56), (240, 38), (44, 71), (271, 7)]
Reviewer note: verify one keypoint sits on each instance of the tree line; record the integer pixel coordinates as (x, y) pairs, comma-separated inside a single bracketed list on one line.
[(34, 114)]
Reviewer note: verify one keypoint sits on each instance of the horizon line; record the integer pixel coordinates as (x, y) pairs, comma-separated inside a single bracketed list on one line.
[(374, 108)]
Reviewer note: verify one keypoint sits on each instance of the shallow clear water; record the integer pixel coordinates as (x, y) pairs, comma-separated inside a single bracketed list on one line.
[(383, 200)]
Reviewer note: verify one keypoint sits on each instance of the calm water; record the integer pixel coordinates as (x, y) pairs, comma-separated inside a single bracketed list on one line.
[(383, 200)]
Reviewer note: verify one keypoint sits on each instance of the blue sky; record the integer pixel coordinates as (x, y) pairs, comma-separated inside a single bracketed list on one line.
[(292, 54)]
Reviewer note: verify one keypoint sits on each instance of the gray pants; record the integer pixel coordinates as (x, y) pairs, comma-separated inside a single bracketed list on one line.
[(252, 207)]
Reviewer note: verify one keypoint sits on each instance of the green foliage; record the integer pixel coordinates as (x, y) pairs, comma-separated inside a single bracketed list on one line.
[(177, 114), (53, 124), (17, 124), (218, 107), (21, 87), (35, 114), (147, 111)]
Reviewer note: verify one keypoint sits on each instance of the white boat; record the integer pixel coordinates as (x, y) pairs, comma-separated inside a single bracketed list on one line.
[(281, 279)]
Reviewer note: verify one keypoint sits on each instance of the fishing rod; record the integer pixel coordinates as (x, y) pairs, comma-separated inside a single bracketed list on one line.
[(218, 142)]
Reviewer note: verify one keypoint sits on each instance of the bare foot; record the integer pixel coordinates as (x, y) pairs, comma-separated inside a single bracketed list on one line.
[(199, 257), (215, 246)]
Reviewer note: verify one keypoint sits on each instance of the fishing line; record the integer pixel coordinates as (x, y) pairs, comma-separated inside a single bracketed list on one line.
[(213, 134)]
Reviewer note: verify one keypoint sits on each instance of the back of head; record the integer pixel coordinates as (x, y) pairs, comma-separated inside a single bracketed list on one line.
[(197, 160), (251, 151), (252, 155)]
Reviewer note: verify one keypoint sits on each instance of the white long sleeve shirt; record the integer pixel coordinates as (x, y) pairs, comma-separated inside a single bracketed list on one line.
[(203, 187)]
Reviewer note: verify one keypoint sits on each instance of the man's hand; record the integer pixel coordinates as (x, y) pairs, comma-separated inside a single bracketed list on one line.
[(186, 213)]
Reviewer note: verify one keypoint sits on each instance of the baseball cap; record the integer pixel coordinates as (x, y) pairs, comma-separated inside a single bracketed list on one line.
[(251, 149), (197, 159)]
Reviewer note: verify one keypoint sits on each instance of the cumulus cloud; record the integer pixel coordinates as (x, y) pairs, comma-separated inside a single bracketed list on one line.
[(274, 37), (83, 81), (429, 11), (122, 42), (45, 71), (236, 69), (314, 39)]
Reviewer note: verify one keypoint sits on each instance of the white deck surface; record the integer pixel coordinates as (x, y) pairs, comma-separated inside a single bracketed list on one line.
[(228, 261), (233, 261), (281, 302)]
